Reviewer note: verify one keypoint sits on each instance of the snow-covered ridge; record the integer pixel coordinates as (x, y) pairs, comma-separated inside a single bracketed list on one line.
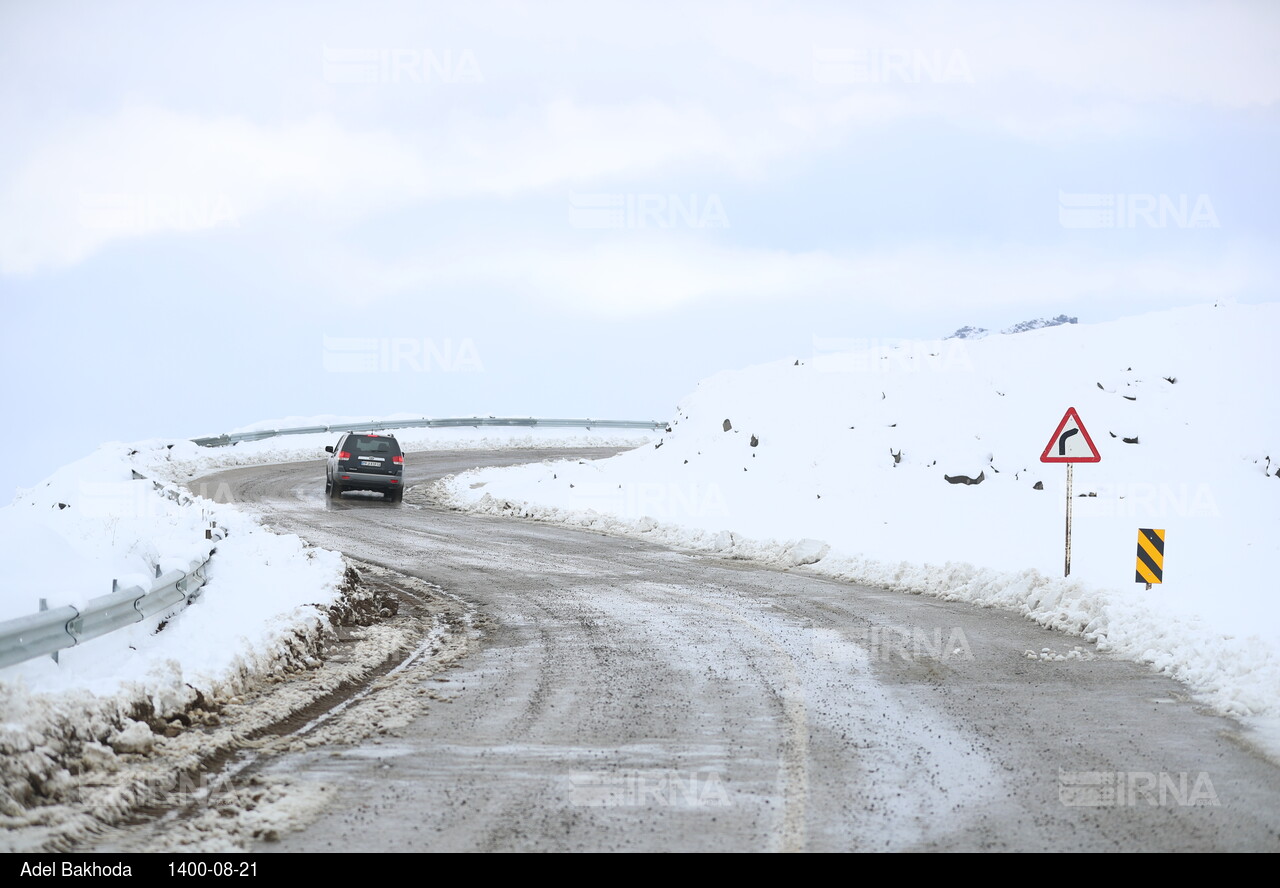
[(970, 332), (853, 452)]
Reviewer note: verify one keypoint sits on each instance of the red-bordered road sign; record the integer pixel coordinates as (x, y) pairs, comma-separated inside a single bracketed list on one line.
[(1070, 442)]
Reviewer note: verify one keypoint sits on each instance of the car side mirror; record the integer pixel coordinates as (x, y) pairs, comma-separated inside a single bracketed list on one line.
[(328, 449)]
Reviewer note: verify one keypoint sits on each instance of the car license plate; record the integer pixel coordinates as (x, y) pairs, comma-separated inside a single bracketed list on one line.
[(369, 462)]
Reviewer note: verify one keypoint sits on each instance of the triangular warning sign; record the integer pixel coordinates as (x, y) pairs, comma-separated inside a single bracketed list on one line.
[(1071, 442)]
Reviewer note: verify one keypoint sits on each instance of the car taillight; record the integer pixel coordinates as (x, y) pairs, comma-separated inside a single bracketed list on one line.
[(398, 460), (345, 454)]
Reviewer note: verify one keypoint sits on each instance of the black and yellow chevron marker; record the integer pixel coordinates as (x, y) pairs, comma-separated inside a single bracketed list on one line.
[(1150, 556)]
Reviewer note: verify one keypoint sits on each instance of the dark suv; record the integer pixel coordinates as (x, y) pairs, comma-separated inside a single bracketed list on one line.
[(363, 461)]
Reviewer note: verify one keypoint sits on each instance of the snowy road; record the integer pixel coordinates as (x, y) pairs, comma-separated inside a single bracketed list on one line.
[(629, 697)]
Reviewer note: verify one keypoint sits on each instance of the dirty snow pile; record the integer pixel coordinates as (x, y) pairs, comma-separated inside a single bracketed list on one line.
[(96, 520), (916, 465)]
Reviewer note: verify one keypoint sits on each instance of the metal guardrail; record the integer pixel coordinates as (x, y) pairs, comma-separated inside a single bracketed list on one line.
[(50, 631), (425, 423)]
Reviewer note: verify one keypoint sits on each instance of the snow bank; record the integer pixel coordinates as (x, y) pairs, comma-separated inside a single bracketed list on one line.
[(104, 518)]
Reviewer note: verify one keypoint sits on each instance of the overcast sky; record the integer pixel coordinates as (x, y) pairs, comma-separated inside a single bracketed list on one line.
[(218, 213)]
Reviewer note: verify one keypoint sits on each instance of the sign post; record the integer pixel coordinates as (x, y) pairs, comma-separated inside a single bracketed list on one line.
[(1066, 569), (1070, 444)]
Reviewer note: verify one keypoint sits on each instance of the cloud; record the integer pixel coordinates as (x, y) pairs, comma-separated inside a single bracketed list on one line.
[(638, 277), (572, 94), (1222, 53), (1036, 73), (146, 171)]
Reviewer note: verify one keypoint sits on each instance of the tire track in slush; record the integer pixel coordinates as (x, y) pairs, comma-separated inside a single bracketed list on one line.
[(795, 741)]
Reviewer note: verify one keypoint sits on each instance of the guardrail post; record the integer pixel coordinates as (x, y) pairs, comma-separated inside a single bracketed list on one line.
[(44, 606)]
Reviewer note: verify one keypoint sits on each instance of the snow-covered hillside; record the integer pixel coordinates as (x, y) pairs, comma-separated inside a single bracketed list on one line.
[(841, 459)]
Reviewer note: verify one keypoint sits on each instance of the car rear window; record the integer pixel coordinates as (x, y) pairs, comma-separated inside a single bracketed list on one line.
[(368, 445)]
